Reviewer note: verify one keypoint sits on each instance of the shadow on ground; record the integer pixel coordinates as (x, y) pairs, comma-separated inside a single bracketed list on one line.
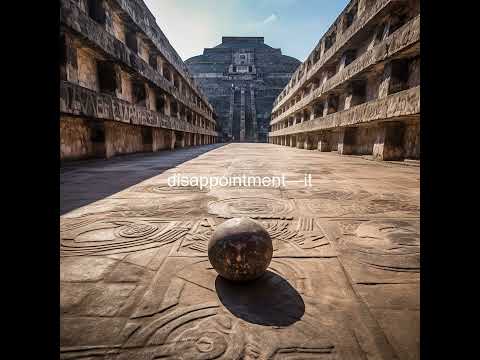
[(85, 182), (269, 300)]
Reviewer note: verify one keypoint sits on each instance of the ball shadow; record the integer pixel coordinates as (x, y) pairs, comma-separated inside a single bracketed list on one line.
[(269, 300)]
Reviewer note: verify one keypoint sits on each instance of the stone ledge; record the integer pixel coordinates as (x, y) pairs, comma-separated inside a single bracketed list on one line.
[(77, 100), (404, 103), (358, 24), (402, 38), (76, 20)]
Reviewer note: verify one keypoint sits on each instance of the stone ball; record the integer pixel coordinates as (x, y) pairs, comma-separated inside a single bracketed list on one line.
[(240, 249)]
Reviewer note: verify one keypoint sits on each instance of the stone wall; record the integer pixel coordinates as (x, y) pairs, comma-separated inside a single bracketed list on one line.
[(119, 80), (125, 92), (401, 104), (364, 140), (161, 139), (77, 100), (75, 138), (122, 139), (414, 72), (87, 69), (412, 141), (365, 76), (117, 28)]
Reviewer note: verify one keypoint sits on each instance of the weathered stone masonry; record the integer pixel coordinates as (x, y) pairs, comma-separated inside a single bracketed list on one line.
[(358, 92), (242, 77), (123, 87)]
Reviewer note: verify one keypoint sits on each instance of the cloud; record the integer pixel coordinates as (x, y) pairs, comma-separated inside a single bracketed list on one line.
[(270, 19)]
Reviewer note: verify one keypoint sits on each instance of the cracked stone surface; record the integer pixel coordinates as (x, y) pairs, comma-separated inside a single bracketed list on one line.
[(343, 282)]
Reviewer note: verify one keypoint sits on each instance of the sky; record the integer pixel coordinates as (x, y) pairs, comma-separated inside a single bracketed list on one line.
[(295, 26)]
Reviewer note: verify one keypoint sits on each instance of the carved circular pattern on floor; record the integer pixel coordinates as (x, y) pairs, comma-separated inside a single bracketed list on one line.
[(105, 237), (387, 244), (359, 204), (253, 207), (136, 230)]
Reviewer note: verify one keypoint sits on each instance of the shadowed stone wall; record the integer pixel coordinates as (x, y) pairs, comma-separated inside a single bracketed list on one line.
[(122, 81)]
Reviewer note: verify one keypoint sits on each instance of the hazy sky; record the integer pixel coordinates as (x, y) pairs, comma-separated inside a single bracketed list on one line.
[(295, 26)]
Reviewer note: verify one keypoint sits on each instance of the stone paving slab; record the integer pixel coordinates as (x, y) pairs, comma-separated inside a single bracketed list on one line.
[(343, 283)]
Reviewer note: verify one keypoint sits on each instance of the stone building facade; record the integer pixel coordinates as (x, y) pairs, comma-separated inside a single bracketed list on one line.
[(242, 76), (358, 92), (123, 87)]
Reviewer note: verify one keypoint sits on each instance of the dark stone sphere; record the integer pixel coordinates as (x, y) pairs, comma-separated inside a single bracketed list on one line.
[(240, 249)]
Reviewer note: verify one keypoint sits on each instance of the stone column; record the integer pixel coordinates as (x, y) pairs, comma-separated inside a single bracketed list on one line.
[(69, 67), (385, 81), (312, 112), (330, 106), (254, 113), (167, 106), (150, 101), (346, 141), (389, 142), (300, 141), (160, 64), (182, 140), (173, 139), (323, 142), (293, 142), (308, 143)]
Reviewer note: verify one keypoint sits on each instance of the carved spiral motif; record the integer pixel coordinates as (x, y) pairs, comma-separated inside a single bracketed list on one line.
[(118, 236), (136, 230), (252, 207)]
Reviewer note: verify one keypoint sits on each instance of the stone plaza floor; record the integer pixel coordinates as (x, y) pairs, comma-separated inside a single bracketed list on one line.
[(343, 283)]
